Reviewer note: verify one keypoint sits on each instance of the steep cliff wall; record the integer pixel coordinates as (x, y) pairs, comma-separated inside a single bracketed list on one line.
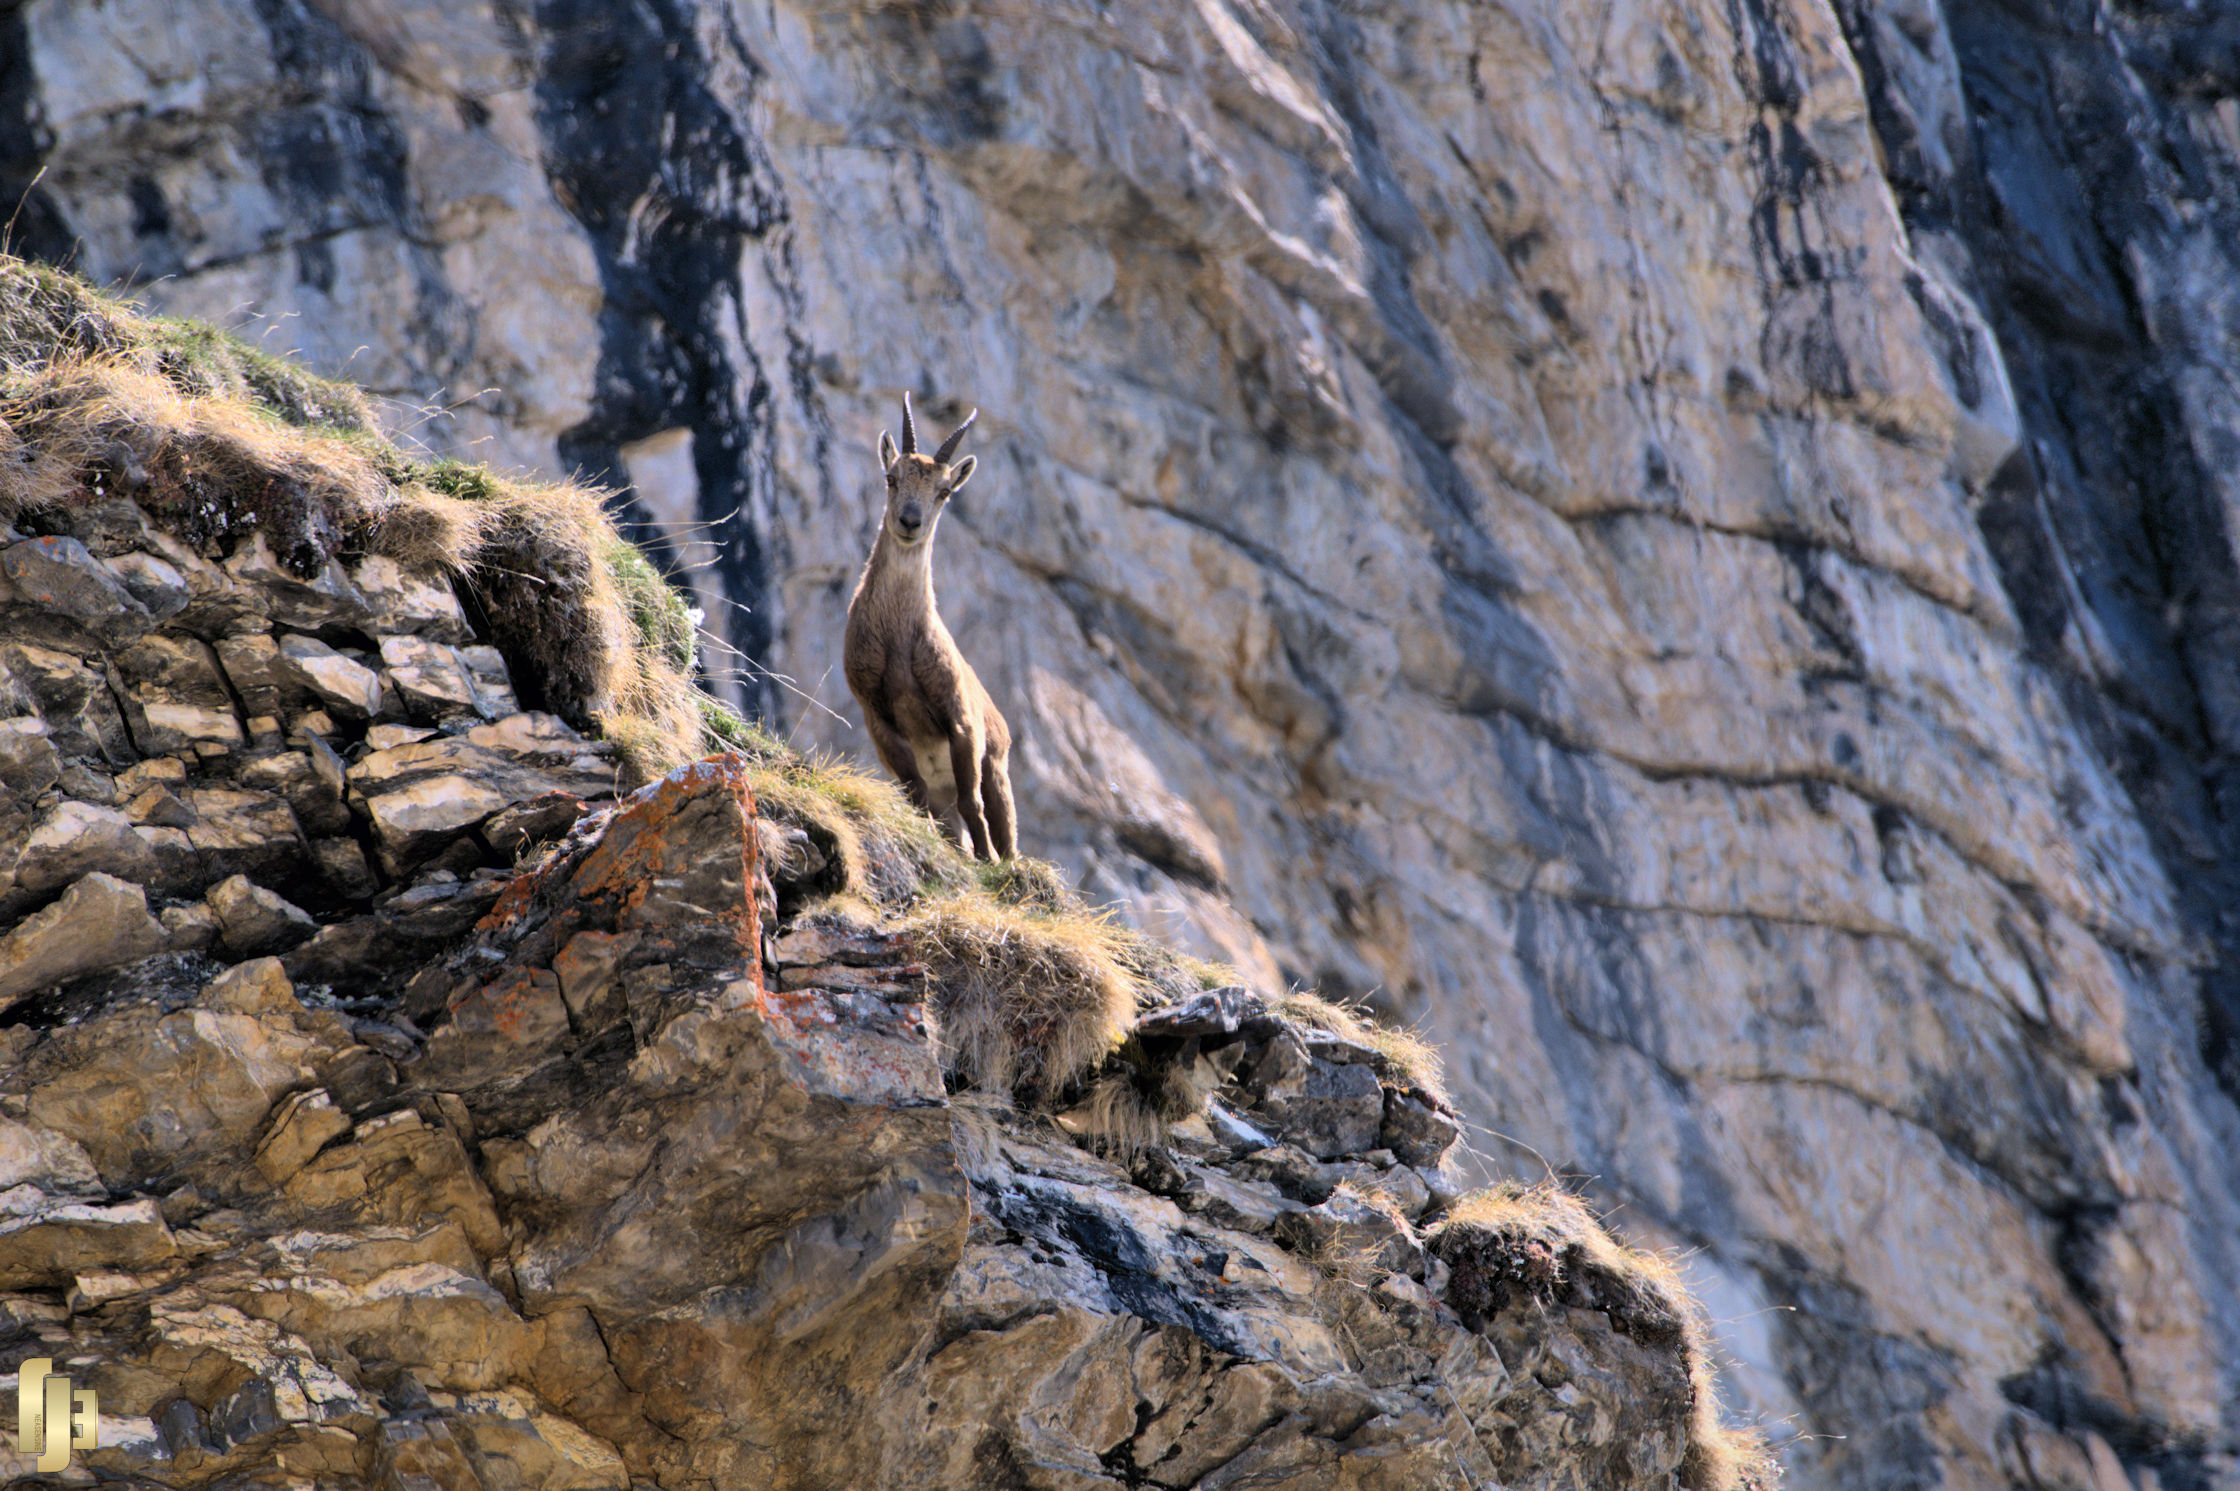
[(391, 1098), (1684, 548)]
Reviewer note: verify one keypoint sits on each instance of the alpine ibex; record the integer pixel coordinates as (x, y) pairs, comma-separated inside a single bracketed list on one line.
[(933, 724)]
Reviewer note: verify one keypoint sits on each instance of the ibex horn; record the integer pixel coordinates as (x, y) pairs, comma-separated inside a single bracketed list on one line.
[(909, 427), (948, 446)]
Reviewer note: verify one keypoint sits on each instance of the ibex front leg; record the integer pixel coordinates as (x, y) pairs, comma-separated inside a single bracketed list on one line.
[(964, 763), (900, 759)]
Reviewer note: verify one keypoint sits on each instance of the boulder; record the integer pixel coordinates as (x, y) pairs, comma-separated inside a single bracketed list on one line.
[(55, 587), (29, 763), (99, 922), (74, 839), (340, 684), (253, 920)]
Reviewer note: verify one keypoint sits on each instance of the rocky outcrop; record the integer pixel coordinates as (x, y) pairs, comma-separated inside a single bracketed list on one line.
[(1683, 547), (586, 1176), (389, 1099)]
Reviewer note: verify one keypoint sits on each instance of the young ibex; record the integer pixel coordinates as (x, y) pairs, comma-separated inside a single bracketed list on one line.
[(933, 724)]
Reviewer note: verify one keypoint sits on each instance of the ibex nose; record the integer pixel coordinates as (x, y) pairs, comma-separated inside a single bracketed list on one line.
[(911, 516)]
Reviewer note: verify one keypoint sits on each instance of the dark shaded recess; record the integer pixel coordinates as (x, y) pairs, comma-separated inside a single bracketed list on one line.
[(672, 192), (35, 225), (1117, 1254), (1881, 1388), (2055, 1390), (2104, 525)]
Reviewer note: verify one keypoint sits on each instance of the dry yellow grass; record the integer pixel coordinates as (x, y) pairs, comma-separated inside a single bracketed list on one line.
[(881, 848), (1541, 1242), (1412, 1057), (1028, 1001), (224, 444)]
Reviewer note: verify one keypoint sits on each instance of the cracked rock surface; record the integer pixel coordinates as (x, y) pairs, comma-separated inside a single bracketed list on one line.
[(1689, 547)]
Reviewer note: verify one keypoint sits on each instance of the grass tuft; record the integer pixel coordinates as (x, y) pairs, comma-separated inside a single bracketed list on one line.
[(1412, 1057), (1540, 1243), (229, 445), (1029, 1001)]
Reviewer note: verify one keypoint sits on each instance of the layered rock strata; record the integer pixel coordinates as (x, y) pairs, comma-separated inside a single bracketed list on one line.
[(1686, 547), (645, 1196)]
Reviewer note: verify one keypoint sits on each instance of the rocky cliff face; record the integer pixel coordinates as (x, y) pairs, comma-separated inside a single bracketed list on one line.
[(576, 1138), (1683, 548)]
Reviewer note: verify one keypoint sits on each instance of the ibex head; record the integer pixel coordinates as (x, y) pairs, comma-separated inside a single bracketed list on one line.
[(918, 487)]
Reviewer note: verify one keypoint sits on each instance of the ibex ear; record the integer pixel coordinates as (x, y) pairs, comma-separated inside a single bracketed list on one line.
[(963, 470), (888, 455)]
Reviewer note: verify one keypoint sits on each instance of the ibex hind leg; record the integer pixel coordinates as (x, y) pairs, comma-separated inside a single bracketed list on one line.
[(1003, 821)]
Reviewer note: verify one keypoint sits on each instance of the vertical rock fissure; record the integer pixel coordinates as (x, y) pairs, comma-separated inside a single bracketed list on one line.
[(674, 192)]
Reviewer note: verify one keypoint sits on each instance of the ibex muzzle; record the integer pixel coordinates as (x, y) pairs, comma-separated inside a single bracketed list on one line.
[(931, 722)]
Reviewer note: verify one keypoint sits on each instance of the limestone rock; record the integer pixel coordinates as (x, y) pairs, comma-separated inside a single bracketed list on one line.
[(432, 679), (28, 762), (54, 586), (300, 1126), (253, 920), (51, 1243), (350, 689), (402, 601), (99, 922), (1594, 510), (72, 839)]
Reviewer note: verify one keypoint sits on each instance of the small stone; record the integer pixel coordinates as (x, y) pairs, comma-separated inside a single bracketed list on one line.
[(179, 867), (432, 679), (326, 761), (327, 598), (295, 775), (1227, 1128), (161, 807), (586, 969), (316, 723), (63, 1239), (1354, 1233), (1398, 1184), (1213, 1012), (29, 763), (508, 1025), (257, 987), (343, 865), (245, 833), (252, 920), (265, 732), (153, 583), (1445, 1182), (1328, 1110), (251, 664), (538, 821), (76, 838), (162, 771), (178, 726), (87, 784), (302, 1126), (1291, 1170), (415, 821), (61, 576), (1416, 1128), (491, 680), (191, 929), (382, 737), (401, 600), (1228, 1202), (99, 922), (348, 688)]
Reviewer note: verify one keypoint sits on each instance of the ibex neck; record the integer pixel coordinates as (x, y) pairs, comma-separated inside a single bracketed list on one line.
[(902, 574)]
